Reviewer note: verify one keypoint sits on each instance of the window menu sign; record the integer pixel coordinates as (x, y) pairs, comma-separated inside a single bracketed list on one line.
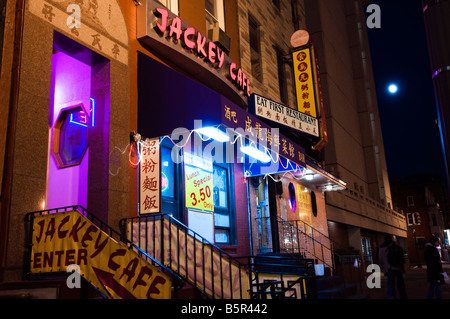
[(198, 178)]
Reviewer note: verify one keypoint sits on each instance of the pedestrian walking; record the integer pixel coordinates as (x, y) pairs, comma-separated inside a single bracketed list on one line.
[(434, 269), (392, 262)]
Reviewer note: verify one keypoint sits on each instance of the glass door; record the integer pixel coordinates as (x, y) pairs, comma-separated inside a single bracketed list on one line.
[(262, 205), (366, 245)]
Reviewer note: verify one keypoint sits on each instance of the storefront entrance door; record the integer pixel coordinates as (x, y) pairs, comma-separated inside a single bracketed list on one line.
[(366, 245), (264, 228)]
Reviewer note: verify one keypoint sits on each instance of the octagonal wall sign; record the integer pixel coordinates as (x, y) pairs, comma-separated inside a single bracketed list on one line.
[(70, 139)]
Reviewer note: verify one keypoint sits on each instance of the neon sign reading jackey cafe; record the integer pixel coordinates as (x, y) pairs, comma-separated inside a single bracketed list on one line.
[(158, 26)]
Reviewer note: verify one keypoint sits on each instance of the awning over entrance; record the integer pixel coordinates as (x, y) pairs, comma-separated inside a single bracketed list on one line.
[(312, 173), (169, 102)]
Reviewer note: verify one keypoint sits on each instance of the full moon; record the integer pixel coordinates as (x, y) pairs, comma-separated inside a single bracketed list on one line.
[(393, 88)]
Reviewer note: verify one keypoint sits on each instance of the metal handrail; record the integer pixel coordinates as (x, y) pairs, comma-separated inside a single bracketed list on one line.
[(260, 290), (294, 232), (153, 243)]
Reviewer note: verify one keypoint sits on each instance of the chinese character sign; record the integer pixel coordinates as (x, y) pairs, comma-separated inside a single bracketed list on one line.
[(150, 177), (236, 118), (304, 81), (281, 114)]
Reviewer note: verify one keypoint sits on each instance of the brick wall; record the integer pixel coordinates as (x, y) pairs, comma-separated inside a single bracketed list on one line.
[(276, 28)]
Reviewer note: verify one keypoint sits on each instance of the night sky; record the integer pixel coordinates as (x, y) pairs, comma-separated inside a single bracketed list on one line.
[(400, 55)]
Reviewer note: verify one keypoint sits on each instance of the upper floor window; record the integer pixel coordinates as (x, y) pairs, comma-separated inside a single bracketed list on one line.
[(276, 3), (223, 209), (255, 48), (215, 14), (281, 76), (172, 5), (410, 200)]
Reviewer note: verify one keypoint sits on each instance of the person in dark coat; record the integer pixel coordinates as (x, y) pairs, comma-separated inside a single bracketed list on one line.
[(434, 268), (394, 273)]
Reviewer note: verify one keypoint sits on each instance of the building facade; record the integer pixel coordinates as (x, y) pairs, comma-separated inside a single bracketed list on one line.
[(148, 117), (201, 132), (359, 216), (435, 14), (423, 200)]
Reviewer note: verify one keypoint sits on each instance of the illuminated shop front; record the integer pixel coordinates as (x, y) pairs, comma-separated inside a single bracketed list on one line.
[(155, 133), (225, 173)]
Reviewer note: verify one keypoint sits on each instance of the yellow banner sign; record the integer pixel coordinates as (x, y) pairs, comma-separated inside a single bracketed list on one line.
[(304, 81), (64, 239)]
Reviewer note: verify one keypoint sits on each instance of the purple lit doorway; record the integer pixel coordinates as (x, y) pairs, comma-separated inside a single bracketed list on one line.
[(78, 159)]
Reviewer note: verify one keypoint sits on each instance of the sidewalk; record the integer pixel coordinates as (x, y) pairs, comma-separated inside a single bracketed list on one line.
[(416, 284)]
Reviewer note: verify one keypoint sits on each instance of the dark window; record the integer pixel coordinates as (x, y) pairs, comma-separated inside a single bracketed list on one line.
[(276, 3), (434, 220), (292, 201), (255, 49), (314, 203), (410, 219), (281, 77), (223, 208)]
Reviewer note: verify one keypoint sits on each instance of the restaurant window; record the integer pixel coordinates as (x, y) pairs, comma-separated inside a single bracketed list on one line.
[(281, 76), (255, 49), (215, 14), (223, 208), (172, 5)]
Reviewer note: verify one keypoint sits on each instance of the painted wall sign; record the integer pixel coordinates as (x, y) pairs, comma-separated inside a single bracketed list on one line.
[(150, 177), (162, 31), (97, 24), (304, 80), (68, 238), (281, 114)]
